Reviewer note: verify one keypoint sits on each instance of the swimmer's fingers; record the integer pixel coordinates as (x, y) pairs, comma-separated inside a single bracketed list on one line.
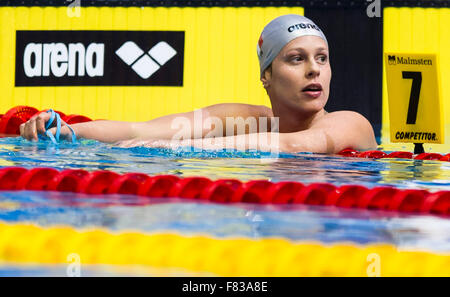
[(52, 130), (22, 128), (28, 130), (33, 126), (65, 132), (41, 120)]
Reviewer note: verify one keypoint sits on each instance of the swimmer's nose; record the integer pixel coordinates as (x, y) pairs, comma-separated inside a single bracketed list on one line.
[(312, 69)]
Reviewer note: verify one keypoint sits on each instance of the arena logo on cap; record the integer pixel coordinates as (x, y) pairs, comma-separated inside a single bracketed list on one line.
[(99, 58), (303, 26)]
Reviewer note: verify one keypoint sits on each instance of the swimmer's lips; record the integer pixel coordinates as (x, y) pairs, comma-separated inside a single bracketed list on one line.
[(313, 90)]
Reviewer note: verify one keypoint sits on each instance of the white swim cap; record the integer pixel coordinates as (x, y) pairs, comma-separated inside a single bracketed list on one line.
[(279, 32)]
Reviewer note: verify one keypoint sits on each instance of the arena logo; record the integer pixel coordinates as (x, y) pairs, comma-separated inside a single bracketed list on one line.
[(99, 58), (146, 64), (59, 59)]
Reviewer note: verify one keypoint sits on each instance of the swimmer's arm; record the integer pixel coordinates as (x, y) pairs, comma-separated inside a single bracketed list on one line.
[(350, 131), (166, 127), (206, 122), (202, 123), (313, 140)]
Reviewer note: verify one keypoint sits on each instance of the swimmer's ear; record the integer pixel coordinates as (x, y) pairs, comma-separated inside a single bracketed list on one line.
[(267, 75)]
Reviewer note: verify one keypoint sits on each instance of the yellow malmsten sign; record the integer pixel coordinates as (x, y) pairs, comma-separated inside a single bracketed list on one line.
[(414, 96)]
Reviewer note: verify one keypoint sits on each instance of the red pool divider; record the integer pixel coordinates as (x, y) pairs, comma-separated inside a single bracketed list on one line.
[(372, 154), (377, 198), (283, 192), (313, 194), (127, 184), (67, 180), (220, 190), (349, 153), (225, 190), (437, 203), (408, 200), (157, 186), (9, 177), (97, 182), (403, 155), (10, 122), (428, 156), (75, 119), (400, 155), (252, 192), (189, 187), (36, 179), (346, 196)]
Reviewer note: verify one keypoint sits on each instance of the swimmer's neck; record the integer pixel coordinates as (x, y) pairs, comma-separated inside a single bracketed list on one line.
[(291, 120)]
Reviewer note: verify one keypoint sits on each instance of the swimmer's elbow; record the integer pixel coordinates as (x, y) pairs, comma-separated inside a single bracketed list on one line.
[(313, 141), (286, 146)]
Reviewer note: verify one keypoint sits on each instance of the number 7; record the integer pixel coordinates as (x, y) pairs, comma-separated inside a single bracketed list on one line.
[(415, 93)]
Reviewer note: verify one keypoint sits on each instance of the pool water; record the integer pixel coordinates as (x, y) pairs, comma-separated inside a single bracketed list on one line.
[(188, 217)]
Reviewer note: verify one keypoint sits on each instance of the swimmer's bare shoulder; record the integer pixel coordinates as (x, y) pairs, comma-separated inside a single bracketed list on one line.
[(334, 132)]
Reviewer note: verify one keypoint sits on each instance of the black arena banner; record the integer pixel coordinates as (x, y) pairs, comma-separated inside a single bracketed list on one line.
[(99, 58)]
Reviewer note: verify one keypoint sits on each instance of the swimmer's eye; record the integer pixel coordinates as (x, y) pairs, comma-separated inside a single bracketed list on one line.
[(323, 59), (297, 58)]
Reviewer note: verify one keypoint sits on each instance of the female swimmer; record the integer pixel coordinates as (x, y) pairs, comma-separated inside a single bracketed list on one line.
[(295, 71)]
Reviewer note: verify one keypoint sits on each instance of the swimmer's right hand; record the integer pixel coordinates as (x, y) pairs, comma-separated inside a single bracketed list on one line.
[(36, 125)]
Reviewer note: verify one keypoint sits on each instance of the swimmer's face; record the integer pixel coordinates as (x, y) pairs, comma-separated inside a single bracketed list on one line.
[(301, 62)]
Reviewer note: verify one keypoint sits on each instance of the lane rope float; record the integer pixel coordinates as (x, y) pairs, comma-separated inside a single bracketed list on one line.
[(146, 187)]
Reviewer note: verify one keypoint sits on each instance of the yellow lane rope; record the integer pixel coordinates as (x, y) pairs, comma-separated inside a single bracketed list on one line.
[(31, 244)]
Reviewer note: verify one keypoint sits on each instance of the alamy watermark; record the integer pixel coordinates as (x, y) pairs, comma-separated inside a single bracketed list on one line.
[(234, 133), (374, 267), (374, 8), (74, 267), (74, 8)]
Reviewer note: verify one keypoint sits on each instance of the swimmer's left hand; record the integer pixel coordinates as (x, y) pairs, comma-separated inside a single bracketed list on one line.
[(65, 132)]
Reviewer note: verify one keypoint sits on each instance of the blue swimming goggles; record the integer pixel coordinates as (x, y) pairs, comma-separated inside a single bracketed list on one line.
[(55, 139)]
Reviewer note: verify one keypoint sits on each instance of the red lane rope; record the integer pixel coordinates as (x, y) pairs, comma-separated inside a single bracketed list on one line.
[(225, 190), (13, 118), (403, 155)]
